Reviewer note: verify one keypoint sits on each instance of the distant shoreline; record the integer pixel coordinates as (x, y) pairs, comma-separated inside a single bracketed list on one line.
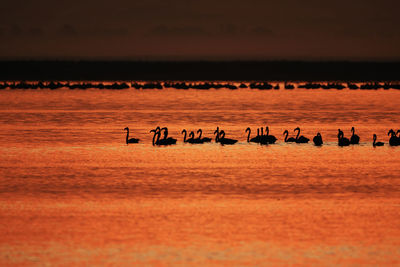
[(199, 71)]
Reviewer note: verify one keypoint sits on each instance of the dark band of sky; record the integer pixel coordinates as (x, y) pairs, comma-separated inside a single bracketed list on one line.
[(200, 30)]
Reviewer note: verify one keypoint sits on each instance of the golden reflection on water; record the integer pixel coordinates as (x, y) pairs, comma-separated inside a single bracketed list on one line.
[(72, 192)]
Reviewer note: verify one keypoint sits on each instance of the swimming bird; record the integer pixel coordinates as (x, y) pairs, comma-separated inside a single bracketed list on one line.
[(300, 139), (184, 137), (225, 141), (204, 139), (354, 139), (161, 142), (193, 140), (132, 140), (318, 139), (268, 139), (342, 141), (377, 143), (394, 140), (216, 133), (156, 134), (288, 140), (167, 140), (254, 139)]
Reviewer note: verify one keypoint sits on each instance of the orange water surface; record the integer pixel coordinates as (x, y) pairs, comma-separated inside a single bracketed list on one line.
[(73, 193)]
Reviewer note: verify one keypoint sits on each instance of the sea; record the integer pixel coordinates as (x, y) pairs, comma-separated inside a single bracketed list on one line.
[(73, 193)]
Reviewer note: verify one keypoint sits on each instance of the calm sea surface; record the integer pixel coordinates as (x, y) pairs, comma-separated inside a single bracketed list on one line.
[(73, 193)]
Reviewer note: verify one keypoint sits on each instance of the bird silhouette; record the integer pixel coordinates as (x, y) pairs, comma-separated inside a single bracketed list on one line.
[(267, 139), (185, 134), (156, 136), (220, 138), (216, 133), (393, 140), (164, 141), (167, 140), (354, 139), (342, 141), (226, 141), (318, 140), (290, 139), (204, 139), (254, 139), (300, 139), (132, 140), (376, 143), (193, 140)]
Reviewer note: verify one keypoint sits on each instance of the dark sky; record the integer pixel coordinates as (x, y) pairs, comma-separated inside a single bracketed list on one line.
[(206, 29)]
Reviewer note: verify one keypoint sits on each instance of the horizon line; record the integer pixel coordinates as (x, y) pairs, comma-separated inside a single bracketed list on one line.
[(159, 60)]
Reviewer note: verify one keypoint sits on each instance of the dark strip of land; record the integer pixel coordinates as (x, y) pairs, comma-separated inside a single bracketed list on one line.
[(200, 70)]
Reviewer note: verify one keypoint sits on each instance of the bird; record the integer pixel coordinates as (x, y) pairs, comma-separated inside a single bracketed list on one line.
[(156, 134), (204, 139), (193, 140), (318, 139), (300, 139), (290, 139), (254, 139), (220, 138), (342, 141), (216, 133), (162, 142), (167, 140), (377, 143), (225, 141), (131, 140), (184, 137), (394, 140), (267, 139), (354, 139)]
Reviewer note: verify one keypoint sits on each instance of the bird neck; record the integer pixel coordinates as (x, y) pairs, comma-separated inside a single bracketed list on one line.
[(216, 137), (154, 137), (158, 137), (184, 137)]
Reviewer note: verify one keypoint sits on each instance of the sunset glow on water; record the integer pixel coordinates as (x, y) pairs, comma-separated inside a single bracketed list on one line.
[(73, 193)]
